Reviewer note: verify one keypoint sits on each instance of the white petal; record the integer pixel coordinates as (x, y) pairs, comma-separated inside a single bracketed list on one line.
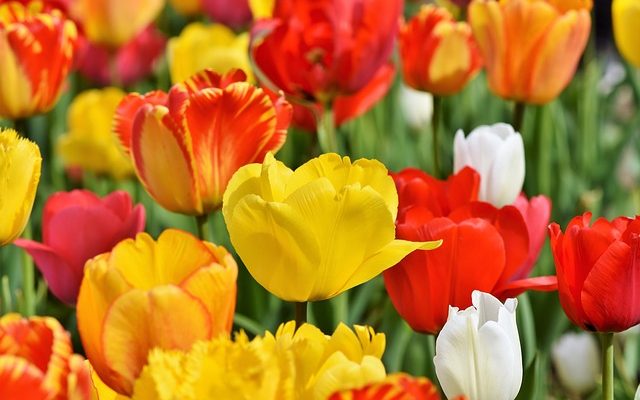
[(576, 358), (507, 173), (417, 106), (461, 156)]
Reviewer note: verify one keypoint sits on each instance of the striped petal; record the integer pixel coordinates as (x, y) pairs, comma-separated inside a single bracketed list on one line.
[(20, 379)]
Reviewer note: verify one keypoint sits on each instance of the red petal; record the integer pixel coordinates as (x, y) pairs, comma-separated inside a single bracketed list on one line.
[(515, 288), (611, 292), (128, 109)]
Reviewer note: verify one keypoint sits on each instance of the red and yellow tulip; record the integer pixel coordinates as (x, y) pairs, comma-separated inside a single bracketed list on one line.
[(129, 297), (186, 145), (37, 361), (36, 51), (530, 48), (439, 55)]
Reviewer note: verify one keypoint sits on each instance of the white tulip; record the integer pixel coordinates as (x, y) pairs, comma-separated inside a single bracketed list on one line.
[(416, 106), (496, 152), (576, 357), (478, 351)]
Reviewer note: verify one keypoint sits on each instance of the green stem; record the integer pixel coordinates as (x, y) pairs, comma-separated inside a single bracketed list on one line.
[(327, 131), (301, 313), (204, 230), (435, 129), (518, 115), (607, 365), (28, 279), (7, 303)]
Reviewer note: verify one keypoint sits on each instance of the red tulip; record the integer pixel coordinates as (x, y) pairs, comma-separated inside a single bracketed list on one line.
[(125, 65), (77, 226), (233, 13), (318, 50), (484, 248), (598, 271)]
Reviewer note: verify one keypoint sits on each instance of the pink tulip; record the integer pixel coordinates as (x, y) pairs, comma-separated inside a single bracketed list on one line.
[(232, 13), (77, 226)]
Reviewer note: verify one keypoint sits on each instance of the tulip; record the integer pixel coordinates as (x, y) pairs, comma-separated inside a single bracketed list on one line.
[(478, 350), (424, 284), (293, 364), (531, 49), (129, 297), (201, 46), (496, 152), (626, 30), (20, 163), (89, 143), (597, 272), (36, 51), (416, 106), (113, 23), (576, 359), (124, 65), (61, 256), (317, 50), (312, 233), (397, 387), (186, 145), (233, 13), (439, 55), (37, 361)]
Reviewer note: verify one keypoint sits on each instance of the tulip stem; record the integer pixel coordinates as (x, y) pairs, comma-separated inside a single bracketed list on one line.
[(327, 131), (28, 279), (518, 115), (435, 128), (607, 365), (204, 231), (301, 313)]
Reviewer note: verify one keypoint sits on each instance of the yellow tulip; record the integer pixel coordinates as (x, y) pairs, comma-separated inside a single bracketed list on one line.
[(20, 163), (129, 297), (113, 23), (212, 46), (302, 364), (626, 29), (261, 8), (89, 144), (312, 233)]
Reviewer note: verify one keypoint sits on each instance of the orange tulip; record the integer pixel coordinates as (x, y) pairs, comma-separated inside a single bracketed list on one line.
[(37, 362), (530, 48), (439, 54), (186, 145), (36, 51), (167, 293)]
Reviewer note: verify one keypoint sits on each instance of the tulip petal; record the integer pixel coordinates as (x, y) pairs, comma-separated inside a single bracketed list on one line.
[(506, 175), (128, 110), (61, 200), (139, 321), (215, 286), (625, 28), (145, 263), (16, 90), (517, 287), (611, 292), (100, 287), (163, 158), (62, 279), (230, 128), (21, 380)]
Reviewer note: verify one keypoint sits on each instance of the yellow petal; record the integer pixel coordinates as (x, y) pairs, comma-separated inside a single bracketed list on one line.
[(16, 94), (261, 8), (146, 263), (164, 162), (449, 68), (139, 321), (20, 163), (626, 14), (100, 390), (339, 373)]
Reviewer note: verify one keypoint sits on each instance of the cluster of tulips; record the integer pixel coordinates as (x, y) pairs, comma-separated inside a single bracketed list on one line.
[(154, 316)]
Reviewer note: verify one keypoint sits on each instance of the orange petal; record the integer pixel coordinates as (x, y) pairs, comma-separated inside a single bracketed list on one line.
[(230, 128), (140, 320), (100, 287), (210, 79), (79, 386), (163, 159)]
